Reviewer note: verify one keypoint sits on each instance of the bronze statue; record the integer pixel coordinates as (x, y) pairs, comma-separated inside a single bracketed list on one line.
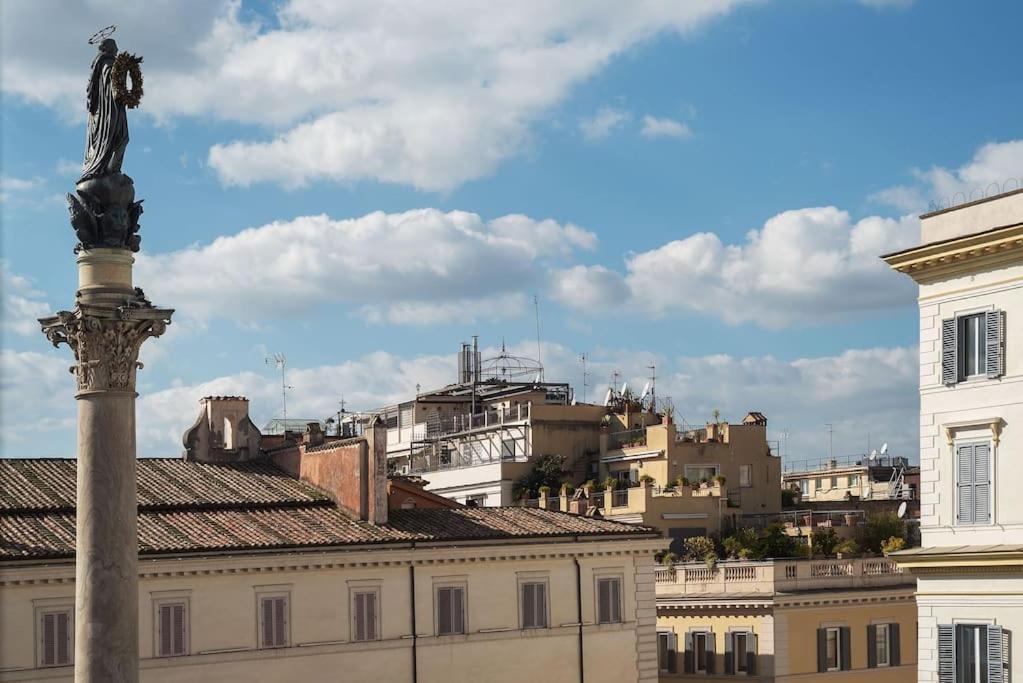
[(103, 209)]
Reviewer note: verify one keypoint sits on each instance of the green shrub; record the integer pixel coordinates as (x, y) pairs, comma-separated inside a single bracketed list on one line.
[(646, 479), (696, 548), (878, 529), (847, 547), (669, 558), (824, 541), (893, 544), (548, 471)]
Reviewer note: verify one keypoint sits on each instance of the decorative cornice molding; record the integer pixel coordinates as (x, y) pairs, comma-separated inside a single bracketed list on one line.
[(962, 255)]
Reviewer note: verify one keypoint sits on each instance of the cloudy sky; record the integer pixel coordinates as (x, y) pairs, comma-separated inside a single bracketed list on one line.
[(702, 186)]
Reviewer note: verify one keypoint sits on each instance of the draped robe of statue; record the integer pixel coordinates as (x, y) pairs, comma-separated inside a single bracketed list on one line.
[(107, 135)]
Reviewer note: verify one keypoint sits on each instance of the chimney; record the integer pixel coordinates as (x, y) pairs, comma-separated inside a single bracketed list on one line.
[(313, 435), (223, 431)]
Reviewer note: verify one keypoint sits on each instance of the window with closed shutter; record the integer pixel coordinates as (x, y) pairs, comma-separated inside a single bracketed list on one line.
[(973, 483), (534, 604), (273, 621), (450, 610), (365, 615), (609, 600), (55, 630), (667, 654), (172, 627)]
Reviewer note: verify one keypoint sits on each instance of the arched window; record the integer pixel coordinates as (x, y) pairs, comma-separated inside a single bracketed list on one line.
[(228, 433)]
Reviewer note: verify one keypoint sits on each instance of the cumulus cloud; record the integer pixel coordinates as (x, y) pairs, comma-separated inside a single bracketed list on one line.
[(600, 125), (417, 266), (995, 167), (427, 94), (654, 127), (11, 186), (22, 304), (37, 405), (804, 266), (589, 288)]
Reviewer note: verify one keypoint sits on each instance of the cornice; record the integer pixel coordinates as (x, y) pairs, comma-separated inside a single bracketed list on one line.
[(962, 255)]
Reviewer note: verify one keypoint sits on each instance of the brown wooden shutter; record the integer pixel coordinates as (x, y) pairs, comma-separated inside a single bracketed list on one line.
[(267, 617), (166, 630), (49, 639), (360, 616), (894, 645)]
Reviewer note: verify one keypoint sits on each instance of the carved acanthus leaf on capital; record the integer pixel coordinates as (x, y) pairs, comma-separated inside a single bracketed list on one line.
[(106, 343)]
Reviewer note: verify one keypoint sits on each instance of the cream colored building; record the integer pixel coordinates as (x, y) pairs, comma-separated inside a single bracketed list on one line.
[(787, 620), (294, 568), (970, 567), (881, 477)]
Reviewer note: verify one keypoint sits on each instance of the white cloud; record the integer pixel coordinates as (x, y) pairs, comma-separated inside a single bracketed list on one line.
[(888, 4), (11, 186), (804, 266), (995, 167), (589, 288), (68, 168), (22, 304), (600, 125), (427, 94), (654, 127), (418, 266), (37, 404)]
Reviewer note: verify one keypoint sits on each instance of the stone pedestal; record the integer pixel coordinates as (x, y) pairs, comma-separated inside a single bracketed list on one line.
[(105, 330)]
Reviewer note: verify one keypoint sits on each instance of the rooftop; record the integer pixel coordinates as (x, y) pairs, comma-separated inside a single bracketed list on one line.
[(188, 507)]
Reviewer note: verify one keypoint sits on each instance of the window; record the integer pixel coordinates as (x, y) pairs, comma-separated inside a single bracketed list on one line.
[(56, 627), (745, 476), (973, 483), (365, 614), (818, 484), (609, 600), (273, 621), (854, 480), (740, 653), (391, 418), (833, 652), (667, 655), (972, 653), (972, 345), (883, 645), (450, 602), (703, 652), (171, 628), (477, 501), (698, 473), (533, 602), (834, 482), (804, 487), (508, 449)]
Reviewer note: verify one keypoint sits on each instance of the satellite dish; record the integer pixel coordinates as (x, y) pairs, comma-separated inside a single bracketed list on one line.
[(646, 391), (607, 397), (884, 448), (873, 454), (902, 510), (539, 378), (625, 388)]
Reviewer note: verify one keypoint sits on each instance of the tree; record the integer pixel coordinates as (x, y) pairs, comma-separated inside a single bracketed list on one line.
[(878, 529), (547, 471), (775, 543), (697, 548), (824, 541)]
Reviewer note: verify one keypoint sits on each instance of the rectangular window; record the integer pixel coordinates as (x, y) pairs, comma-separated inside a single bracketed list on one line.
[(698, 473), (804, 487), (971, 653), (55, 631), (972, 346), (973, 483), (609, 600), (882, 645), (667, 655), (833, 650), (854, 480), (508, 449), (740, 652), (745, 476), (818, 484), (834, 483), (450, 601), (273, 621), (171, 628), (533, 597), (365, 614), (701, 651), (477, 501)]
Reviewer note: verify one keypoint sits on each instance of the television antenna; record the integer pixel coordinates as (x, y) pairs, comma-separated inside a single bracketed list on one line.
[(831, 440), (280, 361), (539, 359), (583, 357), (653, 387)]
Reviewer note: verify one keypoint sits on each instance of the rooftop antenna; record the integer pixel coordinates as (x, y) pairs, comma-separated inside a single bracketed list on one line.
[(831, 440), (614, 379), (582, 359), (536, 307), (873, 454), (653, 386), (280, 361)]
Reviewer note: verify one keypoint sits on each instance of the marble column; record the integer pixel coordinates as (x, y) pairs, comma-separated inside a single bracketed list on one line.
[(110, 321)]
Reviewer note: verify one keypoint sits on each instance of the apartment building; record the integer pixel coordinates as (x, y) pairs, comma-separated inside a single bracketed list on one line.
[(780, 620), (969, 267), (306, 566), (866, 477), (690, 481)]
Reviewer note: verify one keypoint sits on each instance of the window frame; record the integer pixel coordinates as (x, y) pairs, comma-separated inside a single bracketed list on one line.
[(747, 481), (837, 630), (167, 598), (670, 652), (740, 665), (271, 593), (804, 487), (697, 650), (962, 346), (534, 579), (55, 606), (354, 590), (617, 609), (980, 643), (973, 442), (884, 628), (453, 584), (689, 471)]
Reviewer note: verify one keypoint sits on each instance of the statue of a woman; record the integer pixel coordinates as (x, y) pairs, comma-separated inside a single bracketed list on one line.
[(107, 135)]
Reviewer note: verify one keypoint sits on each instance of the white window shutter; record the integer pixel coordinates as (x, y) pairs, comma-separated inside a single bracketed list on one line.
[(458, 610), (443, 610), (49, 639), (360, 616), (280, 617), (371, 616), (946, 654), (982, 484), (965, 467), (949, 352), (994, 337), (63, 637), (528, 604), (996, 659)]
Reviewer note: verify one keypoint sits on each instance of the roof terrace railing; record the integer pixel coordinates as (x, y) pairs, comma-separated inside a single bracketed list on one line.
[(842, 462)]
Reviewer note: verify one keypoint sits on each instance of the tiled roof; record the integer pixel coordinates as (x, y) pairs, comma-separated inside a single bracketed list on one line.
[(194, 507)]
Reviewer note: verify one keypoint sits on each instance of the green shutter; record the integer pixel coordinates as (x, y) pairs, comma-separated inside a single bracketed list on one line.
[(822, 650), (846, 648), (729, 646), (871, 646), (894, 645)]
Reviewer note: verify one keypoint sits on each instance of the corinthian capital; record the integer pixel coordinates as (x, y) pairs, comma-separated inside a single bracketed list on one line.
[(106, 342)]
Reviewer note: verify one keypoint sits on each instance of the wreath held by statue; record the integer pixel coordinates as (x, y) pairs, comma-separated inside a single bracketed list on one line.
[(125, 65)]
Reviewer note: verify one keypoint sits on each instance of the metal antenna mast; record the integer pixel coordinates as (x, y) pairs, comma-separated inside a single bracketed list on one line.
[(653, 386), (831, 440), (586, 376), (614, 380), (281, 362), (536, 306)]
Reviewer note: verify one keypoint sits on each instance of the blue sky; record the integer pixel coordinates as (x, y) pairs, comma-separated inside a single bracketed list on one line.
[(701, 186)]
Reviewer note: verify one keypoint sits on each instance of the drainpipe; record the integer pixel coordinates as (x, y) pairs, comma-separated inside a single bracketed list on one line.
[(579, 613), (412, 593)]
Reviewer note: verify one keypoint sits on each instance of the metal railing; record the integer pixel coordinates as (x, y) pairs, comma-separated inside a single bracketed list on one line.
[(804, 518), (842, 462), (620, 498)]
